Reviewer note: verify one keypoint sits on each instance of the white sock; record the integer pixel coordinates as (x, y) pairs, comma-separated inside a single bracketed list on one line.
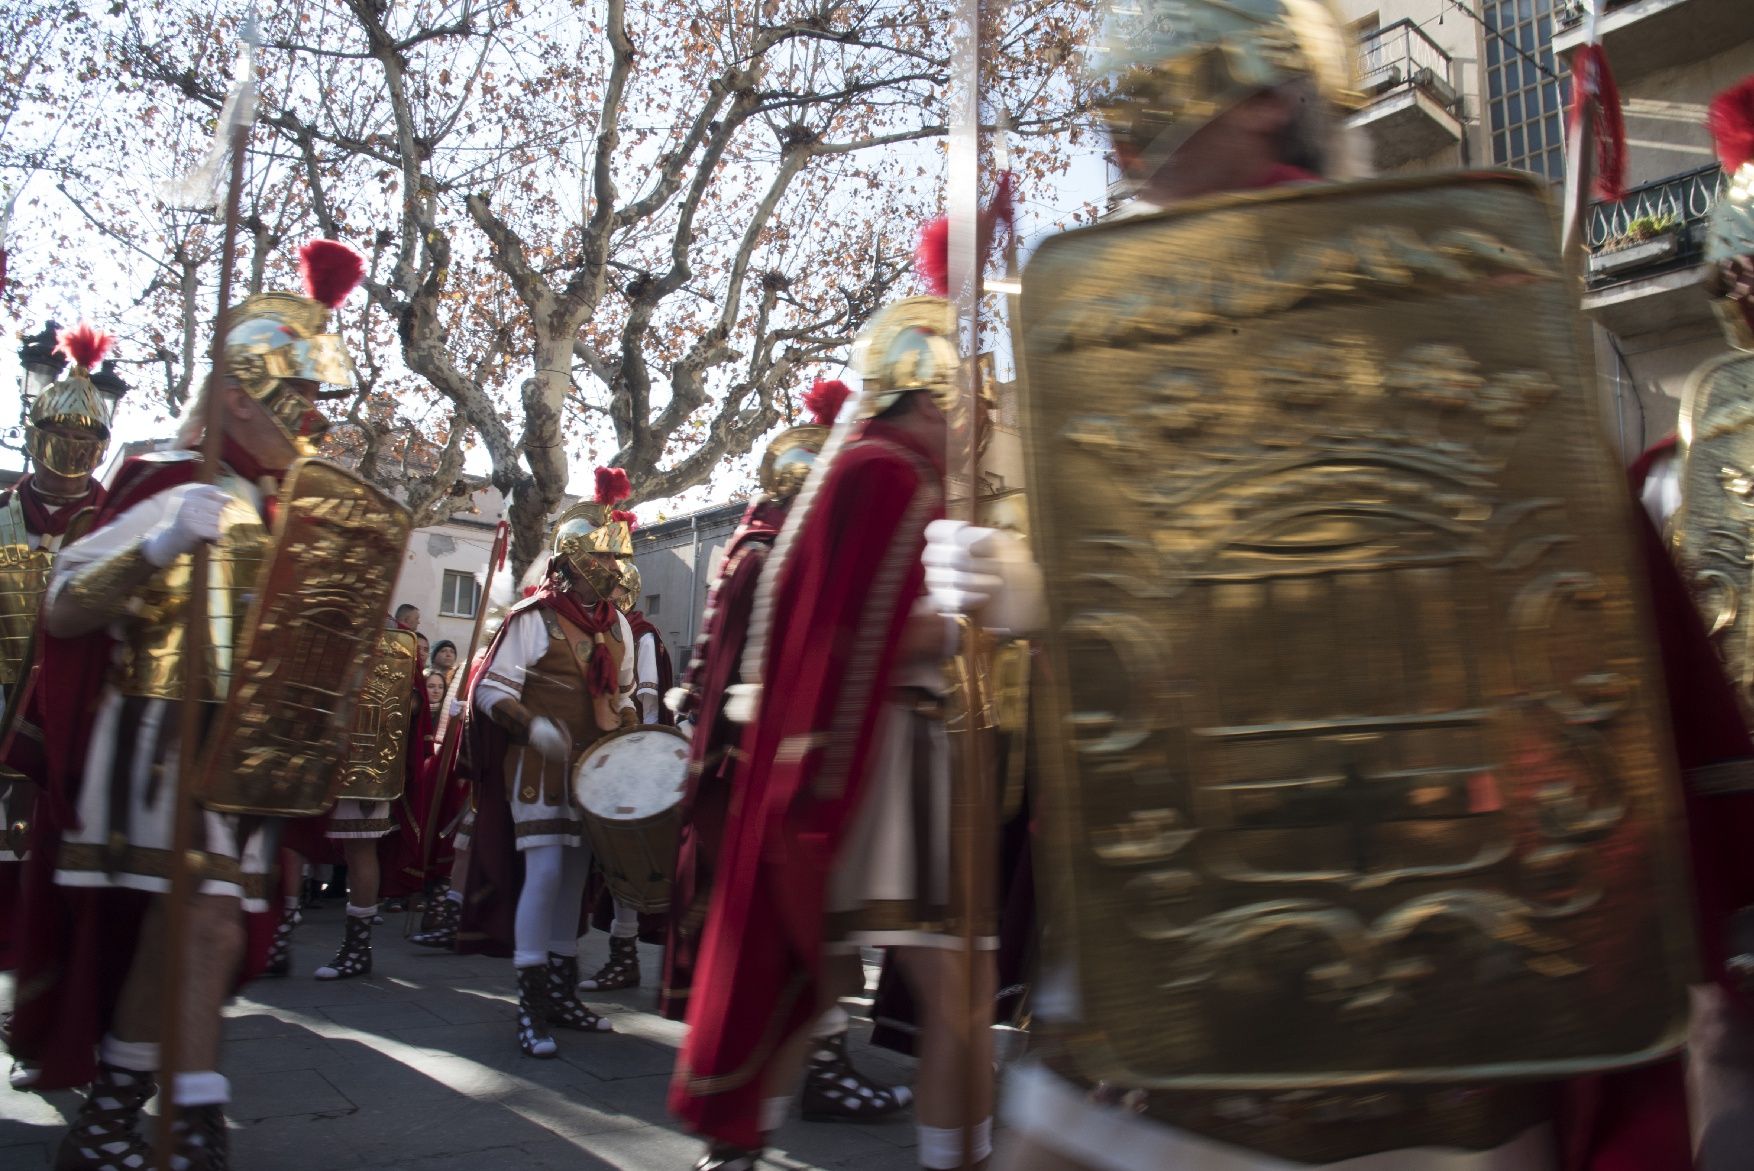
[(290, 902), (529, 959), (773, 1113), (362, 912), (203, 1088), (134, 1056), (626, 925), (563, 947), (832, 1023), (454, 896), (941, 1146)]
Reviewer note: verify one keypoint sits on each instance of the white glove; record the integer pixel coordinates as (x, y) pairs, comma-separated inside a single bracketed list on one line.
[(686, 727), (549, 739), (456, 708), (196, 520), (987, 574)]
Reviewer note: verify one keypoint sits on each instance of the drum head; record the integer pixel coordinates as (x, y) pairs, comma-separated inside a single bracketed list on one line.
[(633, 774)]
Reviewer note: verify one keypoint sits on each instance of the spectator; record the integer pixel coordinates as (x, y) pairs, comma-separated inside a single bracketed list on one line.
[(425, 653), (436, 685), (408, 616), (444, 658)]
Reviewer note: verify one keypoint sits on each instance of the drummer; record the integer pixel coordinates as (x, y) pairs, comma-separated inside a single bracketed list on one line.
[(653, 677), (558, 677)]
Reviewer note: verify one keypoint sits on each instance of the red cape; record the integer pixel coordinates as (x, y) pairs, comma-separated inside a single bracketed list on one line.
[(75, 945), (24, 754), (712, 767), (840, 604), (1637, 1120)]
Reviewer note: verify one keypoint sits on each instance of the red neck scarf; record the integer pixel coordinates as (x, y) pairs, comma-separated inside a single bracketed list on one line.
[(597, 619), (51, 520)]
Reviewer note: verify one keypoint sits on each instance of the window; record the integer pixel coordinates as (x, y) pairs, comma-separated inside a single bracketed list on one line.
[(652, 601), (1524, 86), (461, 596)]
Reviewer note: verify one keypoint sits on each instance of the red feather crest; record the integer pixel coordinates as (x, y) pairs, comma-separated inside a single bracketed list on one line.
[(1592, 81), (932, 256), (84, 344), (330, 270), (824, 400), (613, 486), (1731, 119), (625, 517)]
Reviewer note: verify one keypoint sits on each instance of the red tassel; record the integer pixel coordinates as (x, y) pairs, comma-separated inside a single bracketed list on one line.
[(824, 400), (1592, 80), (331, 270), (1731, 119), (625, 517), (602, 681), (84, 344), (613, 486)]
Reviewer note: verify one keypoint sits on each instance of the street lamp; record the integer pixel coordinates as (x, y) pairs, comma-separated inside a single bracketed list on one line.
[(41, 364), (109, 384)]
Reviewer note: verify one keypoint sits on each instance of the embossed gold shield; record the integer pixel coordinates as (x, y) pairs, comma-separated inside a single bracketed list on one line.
[(377, 759), (1714, 529), (1355, 746), (279, 744)]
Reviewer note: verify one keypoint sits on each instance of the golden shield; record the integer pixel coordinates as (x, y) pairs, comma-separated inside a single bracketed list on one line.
[(1714, 529), (281, 740), (1355, 753), (377, 761)]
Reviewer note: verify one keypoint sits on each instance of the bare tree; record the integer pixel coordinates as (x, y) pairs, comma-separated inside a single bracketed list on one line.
[(596, 230)]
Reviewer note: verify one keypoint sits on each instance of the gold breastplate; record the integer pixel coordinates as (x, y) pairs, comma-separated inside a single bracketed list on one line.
[(151, 660), (24, 574)]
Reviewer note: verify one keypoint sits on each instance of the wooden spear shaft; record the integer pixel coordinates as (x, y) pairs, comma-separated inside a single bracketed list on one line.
[(969, 840), (451, 737), (195, 650)]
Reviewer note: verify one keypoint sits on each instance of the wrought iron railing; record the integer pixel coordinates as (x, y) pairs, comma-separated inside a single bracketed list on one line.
[(1402, 56), (1680, 204)]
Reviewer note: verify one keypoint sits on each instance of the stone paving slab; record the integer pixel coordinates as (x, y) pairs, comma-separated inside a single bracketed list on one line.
[(416, 1068)]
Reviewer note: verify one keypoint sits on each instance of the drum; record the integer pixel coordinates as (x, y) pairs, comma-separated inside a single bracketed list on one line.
[(629, 787)]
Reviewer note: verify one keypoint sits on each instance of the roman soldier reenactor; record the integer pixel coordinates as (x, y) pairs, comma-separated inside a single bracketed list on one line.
[(98, 924), (1289, 903), (833, 1087), (839, 834), (67, 433), (558, 676)]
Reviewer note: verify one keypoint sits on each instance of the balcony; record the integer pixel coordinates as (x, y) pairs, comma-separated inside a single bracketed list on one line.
[(1645, 251), (1643, 36), (1414, 102)]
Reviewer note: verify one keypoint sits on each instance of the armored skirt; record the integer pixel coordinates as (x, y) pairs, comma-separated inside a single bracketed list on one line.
[(125, 807), (359, 820), (533, 663), (892, 884)]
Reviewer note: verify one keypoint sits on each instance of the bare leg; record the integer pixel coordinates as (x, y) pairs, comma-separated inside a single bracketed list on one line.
[(215, 947), (362, 871), (1022, 1153), (946, 1059), (1720, 1076), (460, 872)]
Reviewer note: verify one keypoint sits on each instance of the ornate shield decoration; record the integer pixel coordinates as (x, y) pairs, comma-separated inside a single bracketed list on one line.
[(377, 760), (1356, 763), (282, 738), (1714, 529)]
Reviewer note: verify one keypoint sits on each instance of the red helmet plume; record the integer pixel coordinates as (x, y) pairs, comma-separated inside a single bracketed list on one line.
[(613, 486), (1731, 119), (824, 400), (84, 344), (331, 270)]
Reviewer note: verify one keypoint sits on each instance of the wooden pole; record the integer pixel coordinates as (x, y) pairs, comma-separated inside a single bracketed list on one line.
[(972, 809), (450, 737), (195, 685)]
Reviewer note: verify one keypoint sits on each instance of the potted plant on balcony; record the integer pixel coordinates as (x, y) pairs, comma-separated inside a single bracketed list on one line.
[(1647, 239)]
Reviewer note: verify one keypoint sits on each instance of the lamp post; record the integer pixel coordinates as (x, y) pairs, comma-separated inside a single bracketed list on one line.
[(41, 364), (108, 383)]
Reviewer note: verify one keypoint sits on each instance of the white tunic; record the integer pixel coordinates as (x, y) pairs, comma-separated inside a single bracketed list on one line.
[(238, 868)]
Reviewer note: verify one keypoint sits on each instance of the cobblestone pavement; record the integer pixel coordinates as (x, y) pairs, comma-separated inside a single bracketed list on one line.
[(416, 1068)]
